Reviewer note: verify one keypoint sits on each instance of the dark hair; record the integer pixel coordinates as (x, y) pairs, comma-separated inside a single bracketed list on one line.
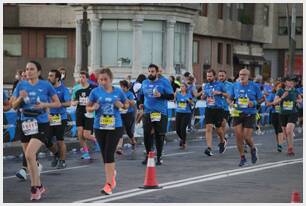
[(153, 65), (57, 73), (84, 73), (211, 71), (186, 74), (107, 71), (61, 69), (124, 83), (222, 71), (141, 78), (178, 78), (172, 77), (37, 64)]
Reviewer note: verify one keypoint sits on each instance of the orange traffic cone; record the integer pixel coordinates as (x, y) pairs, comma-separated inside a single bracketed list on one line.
[(150, 178), (295, 197)]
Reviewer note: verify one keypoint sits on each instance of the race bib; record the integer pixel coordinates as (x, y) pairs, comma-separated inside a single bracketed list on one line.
[(107, 122), (56, 120), (83, 101), (243, 102), (277, 108), (182, 105), (123, 111), (210, 101), (288, 105), (30, 127), (234, 112), (155, 116)]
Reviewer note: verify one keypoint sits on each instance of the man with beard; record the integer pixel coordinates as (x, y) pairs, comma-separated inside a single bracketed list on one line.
[(154, 94)]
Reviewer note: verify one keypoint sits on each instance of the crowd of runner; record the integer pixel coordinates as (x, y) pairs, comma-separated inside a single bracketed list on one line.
[(105, 112)]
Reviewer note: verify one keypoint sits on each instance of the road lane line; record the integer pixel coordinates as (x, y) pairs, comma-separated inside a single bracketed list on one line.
[(175, 154), (50, 171), (194, 179)]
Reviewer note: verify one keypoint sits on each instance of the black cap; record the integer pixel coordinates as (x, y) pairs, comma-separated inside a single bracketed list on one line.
[(290, 78)]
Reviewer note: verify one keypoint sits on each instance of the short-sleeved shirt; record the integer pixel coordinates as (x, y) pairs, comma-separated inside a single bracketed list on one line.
[(214, 101), (81, 96), (242, 94), (182, 104), (152, 103), (228, 88), (288, 104), (64, 96), (42, 91), (106, 103), (275, 108)]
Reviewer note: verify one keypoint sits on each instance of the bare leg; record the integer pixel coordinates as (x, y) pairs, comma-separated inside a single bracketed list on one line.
[(208, 135), (239, 138), (62, 147), (109, 171), (30, 154)]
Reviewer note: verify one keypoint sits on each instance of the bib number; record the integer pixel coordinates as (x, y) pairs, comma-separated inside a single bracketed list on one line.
[(277, 108), (234, 112), (182, 105), (83, 101), (155, 116), (288, 105), (107, 122), (243, 102), (30, 127), (56, 120)]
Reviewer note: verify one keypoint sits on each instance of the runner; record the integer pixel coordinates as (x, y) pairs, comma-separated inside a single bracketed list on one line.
[(154, 94), (288, 99), (183, 113), (128, 117), (213, 93), (246, 96), (58, 116), (275, 116), (106, 100), (32, 97), (84, 120)]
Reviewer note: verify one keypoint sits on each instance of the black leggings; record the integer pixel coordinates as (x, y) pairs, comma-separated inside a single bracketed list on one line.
[(275, 120), (128, 121), (108, 141), (181, 123), (159, 133)]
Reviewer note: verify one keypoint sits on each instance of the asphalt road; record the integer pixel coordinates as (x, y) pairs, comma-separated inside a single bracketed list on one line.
[(186, 176)]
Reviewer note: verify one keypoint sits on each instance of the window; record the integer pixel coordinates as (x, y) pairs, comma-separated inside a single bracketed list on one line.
[(152, 47), (228, 54), (266, 15), (12, 45), (283, 23), (230, 11), (117, 43), (204, 10), (220, 53), (180, 35), (195, 52), (56, 46), (220, 11)]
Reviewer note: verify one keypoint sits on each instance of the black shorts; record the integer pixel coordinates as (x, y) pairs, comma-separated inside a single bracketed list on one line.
[(58, 131), (276, 122), (288, 118), (226, 115), (128, 121), (300, 112), (83, 121), (214, 116), (247, 120), (159, 127), (42, 135), (18, 130)]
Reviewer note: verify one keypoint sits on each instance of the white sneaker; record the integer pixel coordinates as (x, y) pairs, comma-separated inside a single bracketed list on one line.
[(40, 168), (22, 174)]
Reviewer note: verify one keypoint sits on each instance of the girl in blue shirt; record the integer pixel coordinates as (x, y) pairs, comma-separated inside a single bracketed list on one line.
[(33, 96), (106, 101)]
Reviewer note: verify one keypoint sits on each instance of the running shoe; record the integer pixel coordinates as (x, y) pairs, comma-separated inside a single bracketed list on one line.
[(35, 193), (254, 155), (107, 189), (85, 156), (159, 161), (61, 164), (279, 148), (222, 146), (290, 151), (209, 152), (114, 183), (181, 143), (22, 174), (119, 151), (243, 161), (41, 189), (54, 161)]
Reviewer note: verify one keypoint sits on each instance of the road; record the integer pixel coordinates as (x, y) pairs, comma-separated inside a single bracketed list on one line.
[(186, 176)]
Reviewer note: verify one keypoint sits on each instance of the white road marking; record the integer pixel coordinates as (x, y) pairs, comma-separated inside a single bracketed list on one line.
[(50, 171), (193, 180), (175, 154)]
